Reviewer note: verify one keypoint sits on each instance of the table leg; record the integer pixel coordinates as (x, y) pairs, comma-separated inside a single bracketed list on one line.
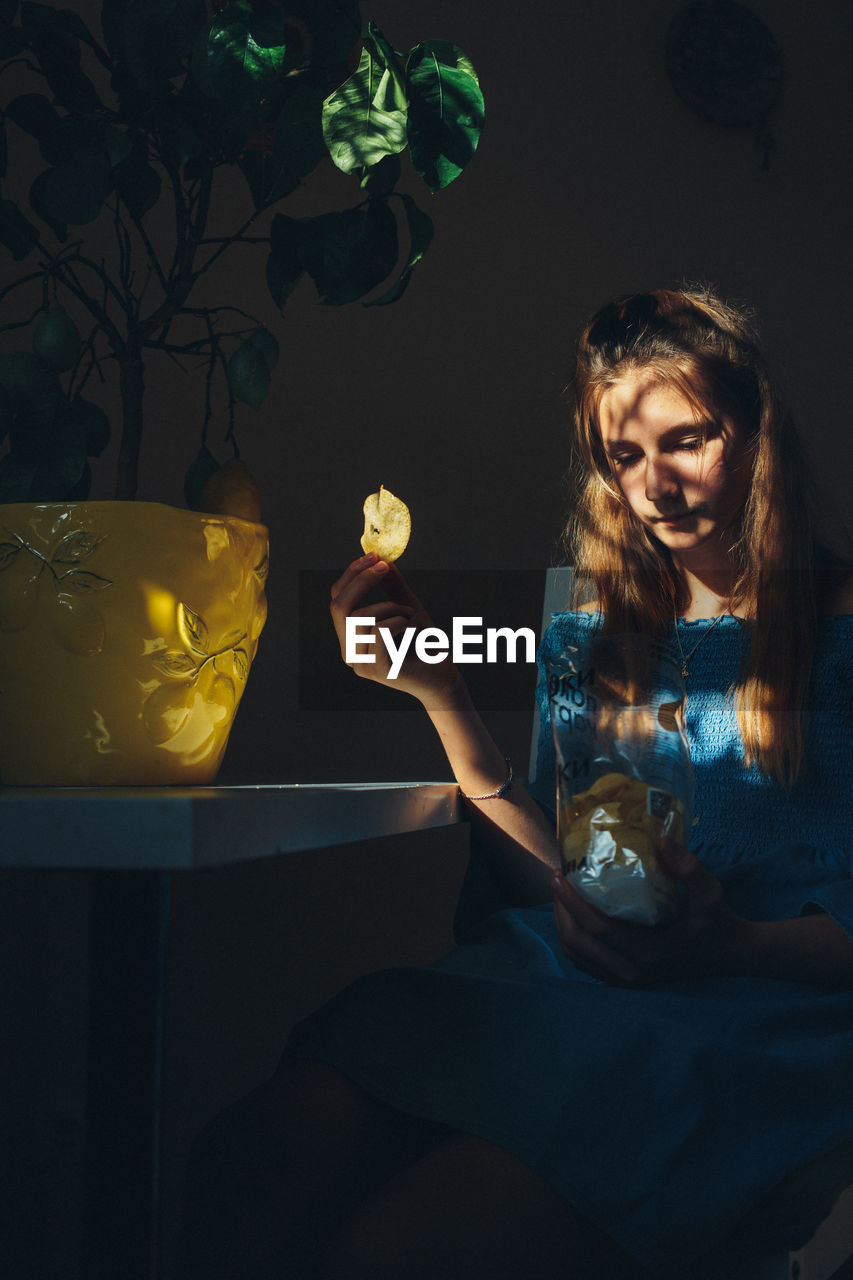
[(124, 1089)]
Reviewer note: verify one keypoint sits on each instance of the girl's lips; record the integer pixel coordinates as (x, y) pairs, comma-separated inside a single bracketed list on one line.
[(686, 515)]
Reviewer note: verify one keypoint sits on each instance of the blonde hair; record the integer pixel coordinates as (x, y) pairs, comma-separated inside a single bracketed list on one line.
[(709, 350)]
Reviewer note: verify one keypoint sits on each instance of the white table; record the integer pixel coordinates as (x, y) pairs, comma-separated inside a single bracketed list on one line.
[(134, 840)]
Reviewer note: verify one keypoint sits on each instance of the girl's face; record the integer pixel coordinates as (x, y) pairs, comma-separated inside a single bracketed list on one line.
[(683, 493)]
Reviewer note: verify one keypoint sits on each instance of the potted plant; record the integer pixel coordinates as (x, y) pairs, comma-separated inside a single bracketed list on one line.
[(132, 123)]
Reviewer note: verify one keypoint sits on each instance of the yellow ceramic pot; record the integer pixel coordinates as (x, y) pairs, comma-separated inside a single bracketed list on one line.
[(127, 630)]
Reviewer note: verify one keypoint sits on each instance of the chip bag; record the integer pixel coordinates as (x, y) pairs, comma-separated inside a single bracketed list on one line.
[(624, 776)]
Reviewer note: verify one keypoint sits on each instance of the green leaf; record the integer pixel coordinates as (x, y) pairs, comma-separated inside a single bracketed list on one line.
[(92, 422), (37, 15), (358, 127), (71, 22), (16, 477), (75, 190), (266, 345), (46, 434), (60, 229), (246, 54), (264, 21), (334, 24), (348, 254), (12, 42), (298, 144), (268, 180), (58, 53), (420, 237), (56, 340), (446, 111), (381, 179), (180, 137), (118, 145), (249, 375), (137, 182), (36, 115), (285, 265), (113, 15), (16, 232), (202, 467), (81, 489), (391, 94), (72, 134), (23, 375), (297, 147), (159, 36)]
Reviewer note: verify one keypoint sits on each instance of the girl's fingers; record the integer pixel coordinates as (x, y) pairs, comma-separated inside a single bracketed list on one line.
[(357, 579), (589, 953), (397, 588), (384, 609), (584, 913)]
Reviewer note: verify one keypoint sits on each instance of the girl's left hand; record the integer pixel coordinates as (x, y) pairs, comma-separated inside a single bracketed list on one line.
[(698, 943)]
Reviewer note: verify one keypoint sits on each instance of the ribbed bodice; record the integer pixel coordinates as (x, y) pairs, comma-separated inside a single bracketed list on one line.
[(739, 811)]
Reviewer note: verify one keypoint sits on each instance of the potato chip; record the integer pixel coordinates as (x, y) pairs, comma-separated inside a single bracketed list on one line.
[(618, 805), (387, 525)]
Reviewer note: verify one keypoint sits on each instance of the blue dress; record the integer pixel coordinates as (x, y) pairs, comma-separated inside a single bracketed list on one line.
[(662, 1113)]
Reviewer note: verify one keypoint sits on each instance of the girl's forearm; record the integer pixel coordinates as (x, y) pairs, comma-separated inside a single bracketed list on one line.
[(811, 948), (519, 839)]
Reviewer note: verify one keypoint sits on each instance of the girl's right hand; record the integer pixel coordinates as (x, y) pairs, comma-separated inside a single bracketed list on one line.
[(426, 681)]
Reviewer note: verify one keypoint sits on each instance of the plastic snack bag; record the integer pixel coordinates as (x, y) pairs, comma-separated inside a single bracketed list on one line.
[(624, 776)]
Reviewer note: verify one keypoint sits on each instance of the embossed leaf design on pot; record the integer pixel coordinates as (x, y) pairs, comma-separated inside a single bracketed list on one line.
[(168, 709), (78, 626), (192, 629)]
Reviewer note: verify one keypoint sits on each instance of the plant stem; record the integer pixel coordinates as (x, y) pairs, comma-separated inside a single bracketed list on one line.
[(132, 390)]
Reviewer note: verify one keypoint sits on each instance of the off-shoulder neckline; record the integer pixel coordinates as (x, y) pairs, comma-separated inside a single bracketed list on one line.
[(726, 620)]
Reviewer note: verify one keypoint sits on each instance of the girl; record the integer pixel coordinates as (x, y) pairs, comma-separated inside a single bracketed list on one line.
[(565, 1095)]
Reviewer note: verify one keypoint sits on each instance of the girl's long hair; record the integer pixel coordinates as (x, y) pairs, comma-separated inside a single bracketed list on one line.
[(709, 351)]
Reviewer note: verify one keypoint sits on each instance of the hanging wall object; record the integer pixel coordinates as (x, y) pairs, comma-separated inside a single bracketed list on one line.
[(724, 63)]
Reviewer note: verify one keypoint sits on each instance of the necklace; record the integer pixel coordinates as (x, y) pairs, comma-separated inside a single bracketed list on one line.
[(685, 657)]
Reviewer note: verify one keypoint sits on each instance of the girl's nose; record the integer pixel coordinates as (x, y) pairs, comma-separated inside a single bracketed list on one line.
[(660, 481)]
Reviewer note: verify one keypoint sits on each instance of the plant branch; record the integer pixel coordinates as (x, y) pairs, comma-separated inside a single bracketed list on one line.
[(214, 351), (122, 236), (211, 311), (182, 220), (64, 272), (101, 272), (10, 288), (149, 249), (88, 348), (235, 239), (21, 324), (227, 241)]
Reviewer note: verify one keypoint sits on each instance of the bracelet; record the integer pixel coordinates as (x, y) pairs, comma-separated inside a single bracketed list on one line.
[(505, 786)]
